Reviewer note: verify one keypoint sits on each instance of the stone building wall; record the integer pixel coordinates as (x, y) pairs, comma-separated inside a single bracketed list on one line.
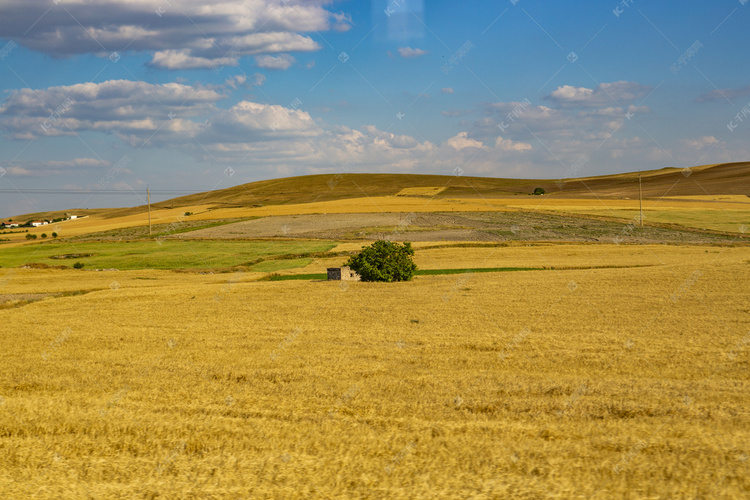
[(342, 274)]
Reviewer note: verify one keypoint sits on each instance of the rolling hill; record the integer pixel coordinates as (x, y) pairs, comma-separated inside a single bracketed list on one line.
[(707, 180), (722, 179)]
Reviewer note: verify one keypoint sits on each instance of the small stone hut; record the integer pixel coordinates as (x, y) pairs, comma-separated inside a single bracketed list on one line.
[(342, 274)]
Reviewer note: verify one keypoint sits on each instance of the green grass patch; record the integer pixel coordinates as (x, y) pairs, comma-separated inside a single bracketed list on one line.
[(170, 254), (270, 266), (419, 272)]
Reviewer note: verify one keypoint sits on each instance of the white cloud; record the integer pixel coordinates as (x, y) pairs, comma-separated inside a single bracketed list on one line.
[(181, 59), (275, 140), (457, 112), (282, 62), (700, 143), (447, 90), (343, 21), (53, 167), (119, 106), (461, 141), (259, 79), (236, 81), (723, 94), (510, 145), (605, 94), (408, 52), (189, 34)]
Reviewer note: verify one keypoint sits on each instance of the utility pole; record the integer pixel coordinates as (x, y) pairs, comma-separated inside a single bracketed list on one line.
[(148, 196), (640, 196)]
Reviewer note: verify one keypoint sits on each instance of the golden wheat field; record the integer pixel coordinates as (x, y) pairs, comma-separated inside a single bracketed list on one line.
[(615, 382)]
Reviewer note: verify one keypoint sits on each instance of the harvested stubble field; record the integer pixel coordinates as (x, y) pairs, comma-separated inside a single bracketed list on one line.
[(601, 383), (507, 225)]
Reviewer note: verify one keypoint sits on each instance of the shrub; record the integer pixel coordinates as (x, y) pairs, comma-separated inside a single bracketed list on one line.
[(78, 265), (54, 235), (538, 191), (30, 236), (384, 261), (44, 235), (188, 214)]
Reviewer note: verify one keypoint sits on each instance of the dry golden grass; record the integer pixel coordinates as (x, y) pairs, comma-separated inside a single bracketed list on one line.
[(722, 213), (421, 191), (607, 383)]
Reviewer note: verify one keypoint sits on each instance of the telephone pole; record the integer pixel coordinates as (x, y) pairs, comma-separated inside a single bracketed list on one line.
[(148, 197), (640, 197)]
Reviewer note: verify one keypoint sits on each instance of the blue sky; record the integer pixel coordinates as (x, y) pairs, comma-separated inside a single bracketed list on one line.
[(190, 95)]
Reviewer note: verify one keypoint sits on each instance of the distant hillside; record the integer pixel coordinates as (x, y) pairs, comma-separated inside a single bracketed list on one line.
[(728, 178), (723, 179)]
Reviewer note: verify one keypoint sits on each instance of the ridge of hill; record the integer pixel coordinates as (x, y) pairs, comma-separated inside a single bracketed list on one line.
[(714, 180)]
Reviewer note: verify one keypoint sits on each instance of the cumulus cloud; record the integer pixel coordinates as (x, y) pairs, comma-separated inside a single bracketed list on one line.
[(615, 93), (456, 112), (282, 62), (511, 145), (408, 52), (181, 59), (53, 167), (700, 143), (447, 90), (190, 34), (511, 138), (461, 141), (118, 106), (721, 94), (342, 21)]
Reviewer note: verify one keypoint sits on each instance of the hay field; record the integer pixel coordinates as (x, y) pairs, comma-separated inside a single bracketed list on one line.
[(720, 214), (157, 254), (603, 383)]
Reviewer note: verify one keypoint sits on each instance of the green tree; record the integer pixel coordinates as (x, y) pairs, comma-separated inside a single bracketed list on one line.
[(44, 235), (54, 235), (384, 261), (30, 236), (539, 191), (78, 265)]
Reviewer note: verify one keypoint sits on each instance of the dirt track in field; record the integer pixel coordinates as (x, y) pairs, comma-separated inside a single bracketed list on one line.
[(464, 226)]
